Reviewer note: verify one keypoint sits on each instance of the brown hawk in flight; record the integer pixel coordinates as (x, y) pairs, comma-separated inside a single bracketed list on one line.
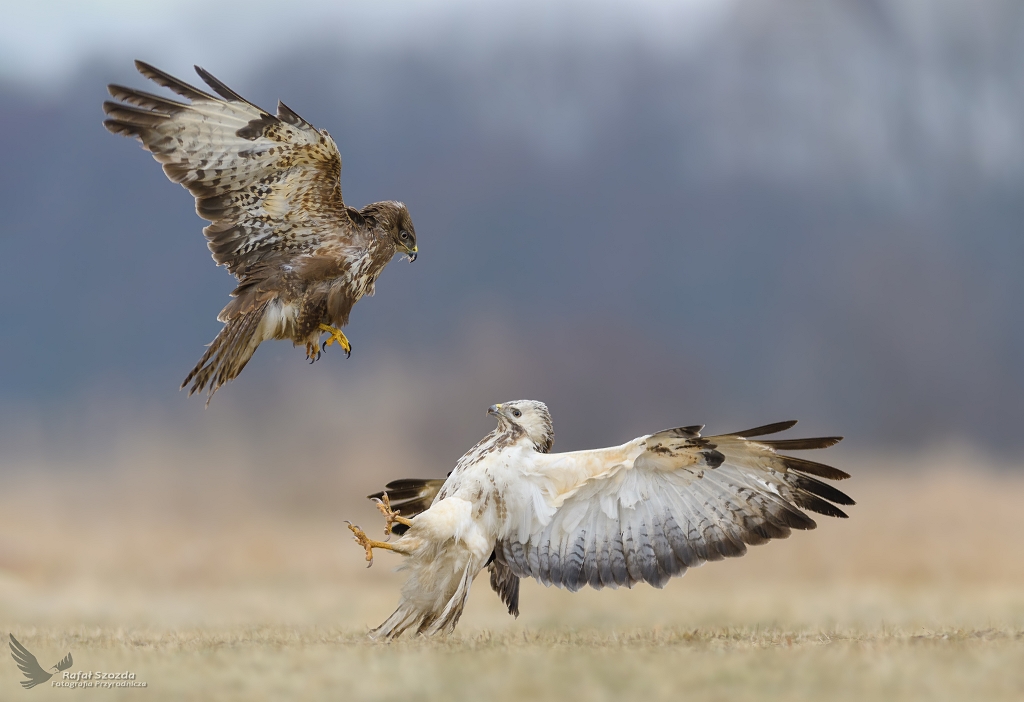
[(270, 186), (645, 511)]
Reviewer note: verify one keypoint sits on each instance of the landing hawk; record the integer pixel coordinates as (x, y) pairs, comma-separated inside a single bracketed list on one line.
[(270, 185), (641, 512)]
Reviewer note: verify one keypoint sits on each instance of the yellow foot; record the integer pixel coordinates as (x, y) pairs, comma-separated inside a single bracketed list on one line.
[(369, 544), (391, 517), (336, 335)]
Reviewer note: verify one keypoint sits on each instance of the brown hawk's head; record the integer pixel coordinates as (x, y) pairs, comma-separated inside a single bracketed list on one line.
[(394, 219), (399, 224), (529, 416)]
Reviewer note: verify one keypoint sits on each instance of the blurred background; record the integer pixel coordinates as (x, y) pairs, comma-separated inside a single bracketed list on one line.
[(710, 211), (646, 214)]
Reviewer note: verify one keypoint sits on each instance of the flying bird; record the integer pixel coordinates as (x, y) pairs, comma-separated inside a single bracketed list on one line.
[(271, 187), (645, 511), (30, 666)]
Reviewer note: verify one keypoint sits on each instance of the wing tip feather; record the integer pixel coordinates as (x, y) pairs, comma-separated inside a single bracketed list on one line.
[(220, 87), (168, 81), (765, 429)]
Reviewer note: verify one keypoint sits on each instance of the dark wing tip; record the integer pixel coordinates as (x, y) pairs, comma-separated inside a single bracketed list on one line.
[(406, 488), (409, 496), (810, 467), (219, 87), (766, 429), (168, 81), (819, 442), (823, 490), (816, 504)]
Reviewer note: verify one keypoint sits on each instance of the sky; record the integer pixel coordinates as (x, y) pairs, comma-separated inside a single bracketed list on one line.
[(44, 42)]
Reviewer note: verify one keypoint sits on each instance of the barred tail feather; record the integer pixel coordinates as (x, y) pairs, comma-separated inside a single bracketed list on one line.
[(228, 353)]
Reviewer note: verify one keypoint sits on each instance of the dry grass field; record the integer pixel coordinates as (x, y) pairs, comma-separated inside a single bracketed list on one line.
[(205, 591)]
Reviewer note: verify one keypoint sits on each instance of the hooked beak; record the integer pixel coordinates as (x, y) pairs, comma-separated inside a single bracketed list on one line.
[(413, 252), (494, 409)]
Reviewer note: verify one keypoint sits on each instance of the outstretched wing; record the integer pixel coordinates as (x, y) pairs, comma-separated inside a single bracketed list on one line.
[(652, 508), (28, 665), (269, 184)]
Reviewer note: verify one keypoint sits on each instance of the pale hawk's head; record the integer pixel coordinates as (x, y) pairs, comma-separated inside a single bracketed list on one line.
[(527, 416)]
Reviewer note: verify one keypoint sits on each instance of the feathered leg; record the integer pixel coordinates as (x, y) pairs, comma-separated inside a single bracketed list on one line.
[(228, 353)]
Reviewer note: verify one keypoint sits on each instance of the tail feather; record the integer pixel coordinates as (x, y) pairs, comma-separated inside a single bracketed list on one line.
[(227, 354), (427, 620), (401, 619), (449, 617)]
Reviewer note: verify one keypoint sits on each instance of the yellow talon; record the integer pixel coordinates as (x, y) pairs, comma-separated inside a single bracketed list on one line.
[(369, 544), (336, 335), (391, 517)]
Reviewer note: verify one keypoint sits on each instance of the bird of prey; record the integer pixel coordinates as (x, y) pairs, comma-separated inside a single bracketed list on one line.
[(644, 511), (30, 666), (271, 187)]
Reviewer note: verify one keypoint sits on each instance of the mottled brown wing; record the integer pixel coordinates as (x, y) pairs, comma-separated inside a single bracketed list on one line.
[(269, 184), (648, 511)]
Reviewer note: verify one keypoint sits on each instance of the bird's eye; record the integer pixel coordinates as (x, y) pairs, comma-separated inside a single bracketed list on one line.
[(405, 236), (516, 413)]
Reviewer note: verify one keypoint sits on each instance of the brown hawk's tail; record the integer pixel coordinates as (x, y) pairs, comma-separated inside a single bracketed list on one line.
[(228, 353)]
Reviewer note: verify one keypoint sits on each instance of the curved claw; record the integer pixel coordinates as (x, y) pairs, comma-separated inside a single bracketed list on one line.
[(312, 353), (360, 538), (336, 335)]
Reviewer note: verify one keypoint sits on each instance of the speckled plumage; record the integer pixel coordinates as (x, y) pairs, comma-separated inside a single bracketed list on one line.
[(270, 186), (645, 511)]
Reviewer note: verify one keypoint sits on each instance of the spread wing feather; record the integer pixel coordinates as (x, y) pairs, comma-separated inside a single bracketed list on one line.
[(649, 510), (269, 184)]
